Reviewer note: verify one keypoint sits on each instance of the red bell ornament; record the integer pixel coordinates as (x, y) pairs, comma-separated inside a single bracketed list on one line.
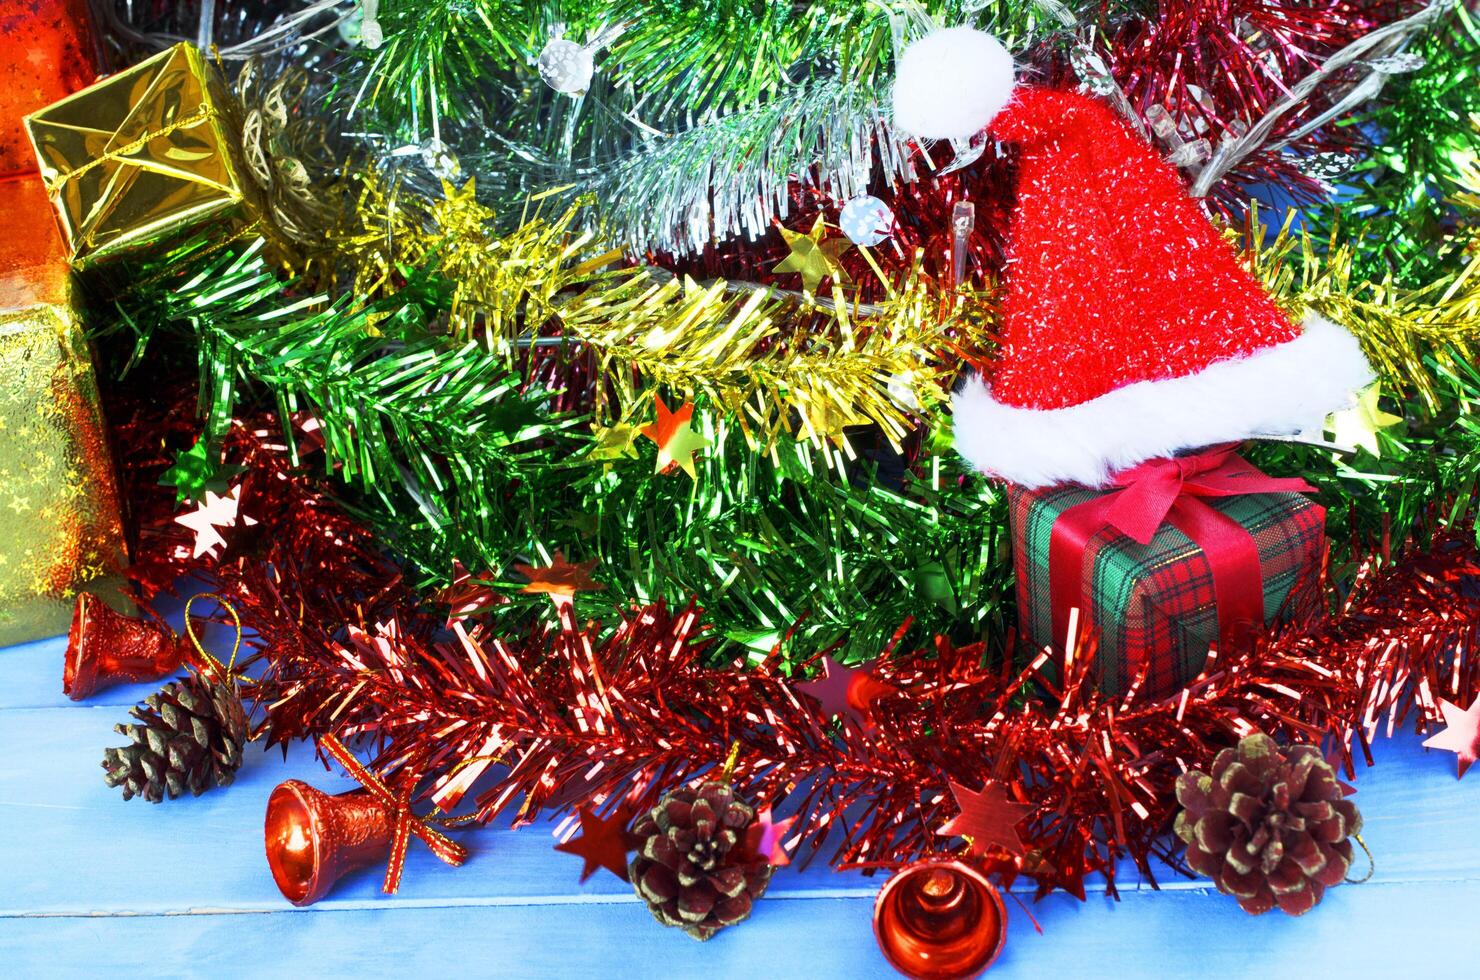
[(314, 839), (105, 647), (940, 920)]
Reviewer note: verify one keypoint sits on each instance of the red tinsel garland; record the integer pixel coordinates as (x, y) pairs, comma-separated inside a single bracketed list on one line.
[(570, 717), (563, 715), (1215, 67), (566, 715)]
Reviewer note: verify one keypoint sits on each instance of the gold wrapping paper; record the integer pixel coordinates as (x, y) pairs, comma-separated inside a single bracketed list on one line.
[(139, 157), (60, 530)]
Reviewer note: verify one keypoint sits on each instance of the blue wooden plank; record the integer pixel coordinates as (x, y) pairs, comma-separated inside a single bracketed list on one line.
[(107, 875), (55, 809), (55, 806), (1378, 931)]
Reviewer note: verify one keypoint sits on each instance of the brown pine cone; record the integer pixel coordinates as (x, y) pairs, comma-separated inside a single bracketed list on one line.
[(692, 865), (189, 738), (1269, 825)]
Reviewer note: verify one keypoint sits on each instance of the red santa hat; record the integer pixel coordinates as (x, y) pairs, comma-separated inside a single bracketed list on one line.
[(1130, 330)]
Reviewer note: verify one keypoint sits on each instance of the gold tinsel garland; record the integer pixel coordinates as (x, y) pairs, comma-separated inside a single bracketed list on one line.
[(787, 363), (1398, 328), (777, 362)]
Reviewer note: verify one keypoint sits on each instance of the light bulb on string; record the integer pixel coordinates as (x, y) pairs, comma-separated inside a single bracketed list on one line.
[(568, 66), (866, 221), (360, 26)]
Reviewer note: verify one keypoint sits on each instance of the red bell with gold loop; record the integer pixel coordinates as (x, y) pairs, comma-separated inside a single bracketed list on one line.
[(105, 647), (940, 920)]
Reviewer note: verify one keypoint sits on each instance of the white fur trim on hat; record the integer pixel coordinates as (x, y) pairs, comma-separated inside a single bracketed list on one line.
[(1279, 390), (950, 83)]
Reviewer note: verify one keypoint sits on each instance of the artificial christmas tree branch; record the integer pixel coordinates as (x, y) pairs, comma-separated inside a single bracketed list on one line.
[(1409, 211), (669, 194)]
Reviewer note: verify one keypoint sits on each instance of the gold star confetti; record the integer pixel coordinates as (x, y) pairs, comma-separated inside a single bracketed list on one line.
[(560, 580), (1359, 425), (459, 213), (613, 442), (813, 255), (676, 440)]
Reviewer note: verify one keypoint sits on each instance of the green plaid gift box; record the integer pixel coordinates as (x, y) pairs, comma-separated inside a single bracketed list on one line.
[(1154, 604)]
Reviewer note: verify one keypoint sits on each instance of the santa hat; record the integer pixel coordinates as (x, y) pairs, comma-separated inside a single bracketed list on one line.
[(1130, 330)]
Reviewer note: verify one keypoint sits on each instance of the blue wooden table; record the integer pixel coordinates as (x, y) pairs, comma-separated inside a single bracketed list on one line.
[(89, 883)]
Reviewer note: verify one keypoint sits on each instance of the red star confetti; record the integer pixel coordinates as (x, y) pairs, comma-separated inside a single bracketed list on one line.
[(987, 818), (216, 511), (469, 594), (1462, 736), (602, 844), (676, 440), (312, 427), (561, 580), (846, 691)]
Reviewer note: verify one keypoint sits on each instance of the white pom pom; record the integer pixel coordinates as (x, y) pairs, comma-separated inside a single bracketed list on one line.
[(950, 84)]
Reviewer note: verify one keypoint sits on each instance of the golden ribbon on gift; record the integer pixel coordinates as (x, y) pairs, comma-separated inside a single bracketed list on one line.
[(445, 848), (123, 152)]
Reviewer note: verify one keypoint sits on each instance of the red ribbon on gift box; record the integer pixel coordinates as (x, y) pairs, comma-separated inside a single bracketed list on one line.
[(1169, 491)]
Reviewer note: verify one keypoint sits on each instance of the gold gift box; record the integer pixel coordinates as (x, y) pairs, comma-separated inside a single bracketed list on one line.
[(138, 157), (60, 531)]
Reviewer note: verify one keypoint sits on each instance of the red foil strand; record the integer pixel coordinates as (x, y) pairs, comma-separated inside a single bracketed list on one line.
[(557, 716)]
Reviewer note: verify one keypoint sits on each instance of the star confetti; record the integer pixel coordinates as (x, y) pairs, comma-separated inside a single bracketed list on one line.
[(677, 441), (845, 690), (764, 837), (602, 844), (312, 427), (613, 442), (1462, 736), (560, 580), (1358, 426), (459, 214), (216, 511), (195, 471), (468, 594), (813, 255), (987, 818)]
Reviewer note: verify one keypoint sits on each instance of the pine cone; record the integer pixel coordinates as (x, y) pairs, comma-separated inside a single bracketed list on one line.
[(190, 737), (1269, 825), (692, 866)]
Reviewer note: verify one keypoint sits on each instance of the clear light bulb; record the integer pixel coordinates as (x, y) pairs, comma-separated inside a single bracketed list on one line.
[(566, 66)]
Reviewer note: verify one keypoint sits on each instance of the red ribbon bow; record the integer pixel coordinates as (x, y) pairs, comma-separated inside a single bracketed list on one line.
[(407, 823), (1168, 491)]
